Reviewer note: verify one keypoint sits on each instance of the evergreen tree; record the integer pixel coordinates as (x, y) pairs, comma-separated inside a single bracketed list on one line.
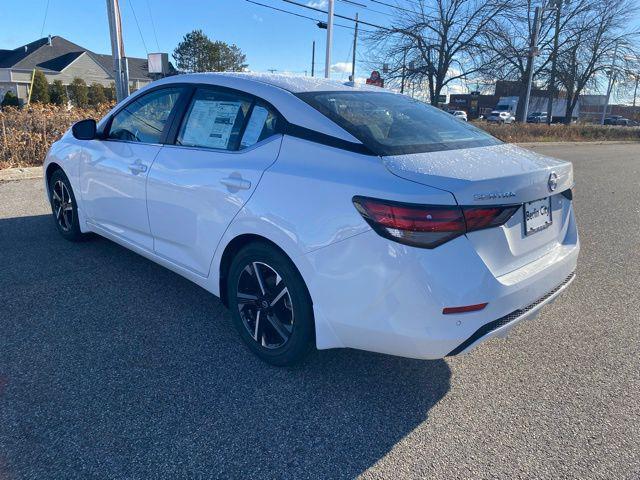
[(39, 88), (58, 93), (198, 53), (10, 100), (96, 94), (79, 92)]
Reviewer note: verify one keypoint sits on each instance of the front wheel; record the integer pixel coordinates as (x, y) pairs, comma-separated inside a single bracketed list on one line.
[(64, 207), (270, 305)]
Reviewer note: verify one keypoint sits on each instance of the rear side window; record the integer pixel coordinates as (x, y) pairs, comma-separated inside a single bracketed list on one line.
[(144, 119), (392, 124), (262, 124), (214, 120)]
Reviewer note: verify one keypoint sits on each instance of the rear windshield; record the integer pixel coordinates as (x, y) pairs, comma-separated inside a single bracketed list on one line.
[(392, 124)]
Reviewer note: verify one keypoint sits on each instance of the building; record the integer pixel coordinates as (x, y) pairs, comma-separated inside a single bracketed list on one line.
[(60, 59)]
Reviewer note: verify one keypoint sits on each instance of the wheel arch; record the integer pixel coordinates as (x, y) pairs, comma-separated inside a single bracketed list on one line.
[(230, 251), (52, 167)]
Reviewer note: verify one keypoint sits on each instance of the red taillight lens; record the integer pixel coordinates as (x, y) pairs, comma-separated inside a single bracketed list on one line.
[(428, 226), (418, 225), (478, 218)]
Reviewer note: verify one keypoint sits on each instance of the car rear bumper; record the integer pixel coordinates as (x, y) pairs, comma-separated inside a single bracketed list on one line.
[(377, 295)]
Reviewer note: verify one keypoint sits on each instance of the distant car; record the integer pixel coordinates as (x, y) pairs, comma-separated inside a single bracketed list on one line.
[(501, 117), (618, 120), (461, 114), (537, 117)]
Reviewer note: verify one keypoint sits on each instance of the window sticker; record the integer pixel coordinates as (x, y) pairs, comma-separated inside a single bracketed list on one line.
[(255, 126), (210, 123)]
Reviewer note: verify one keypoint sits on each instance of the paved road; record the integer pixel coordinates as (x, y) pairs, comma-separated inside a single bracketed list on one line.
[(112, 367)]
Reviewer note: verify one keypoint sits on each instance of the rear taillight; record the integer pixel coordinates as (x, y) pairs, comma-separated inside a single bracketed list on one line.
[(428, 226)]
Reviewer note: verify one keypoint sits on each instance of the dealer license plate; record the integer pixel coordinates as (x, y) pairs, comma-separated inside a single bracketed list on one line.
[(537, 215)]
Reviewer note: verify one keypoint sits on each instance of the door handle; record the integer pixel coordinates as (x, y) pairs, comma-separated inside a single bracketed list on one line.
[(236, 183), (137, 167)]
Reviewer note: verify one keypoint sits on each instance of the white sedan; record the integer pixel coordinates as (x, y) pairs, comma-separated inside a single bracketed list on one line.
[(323, 215)]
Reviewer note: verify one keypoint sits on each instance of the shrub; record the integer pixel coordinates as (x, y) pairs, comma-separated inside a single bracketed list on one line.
[(79, 93), (26, 134), (10, 100), (96, 95), (58, 93), (39, 88)]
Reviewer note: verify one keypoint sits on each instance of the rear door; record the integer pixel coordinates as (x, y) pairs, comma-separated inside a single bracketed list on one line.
[(114, 170), (224, 142)]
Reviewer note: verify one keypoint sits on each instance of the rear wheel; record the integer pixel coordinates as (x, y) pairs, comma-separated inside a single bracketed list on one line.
[(64, 207), (270, 305)]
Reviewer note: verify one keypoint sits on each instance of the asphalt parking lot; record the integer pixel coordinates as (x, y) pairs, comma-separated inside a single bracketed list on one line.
[(113, 367)]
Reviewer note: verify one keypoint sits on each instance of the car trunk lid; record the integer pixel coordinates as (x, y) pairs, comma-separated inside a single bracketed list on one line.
[(498, 175)]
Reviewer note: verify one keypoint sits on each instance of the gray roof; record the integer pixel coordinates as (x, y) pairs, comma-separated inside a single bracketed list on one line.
[(60, 54)]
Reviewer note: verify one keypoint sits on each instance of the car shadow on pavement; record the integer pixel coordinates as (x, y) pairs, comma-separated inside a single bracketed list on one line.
[(114, 367)]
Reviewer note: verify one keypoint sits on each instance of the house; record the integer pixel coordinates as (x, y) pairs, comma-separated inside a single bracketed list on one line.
[(60, 59)]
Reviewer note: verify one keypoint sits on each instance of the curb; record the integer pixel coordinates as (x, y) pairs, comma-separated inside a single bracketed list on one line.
[(13, 174)]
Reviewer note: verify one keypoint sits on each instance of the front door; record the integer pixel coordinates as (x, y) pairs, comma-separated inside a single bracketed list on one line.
[(197, 186), (114, 171)]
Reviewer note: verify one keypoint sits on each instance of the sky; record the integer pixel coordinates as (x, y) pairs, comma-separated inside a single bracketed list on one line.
[(270, 39)]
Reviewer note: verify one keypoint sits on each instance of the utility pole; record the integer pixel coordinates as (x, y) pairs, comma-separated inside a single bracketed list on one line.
[(120, 67), (554, 59), (355, 44), (612, 80), (327, 63), (313, 59), (532, 55), (635, 90)]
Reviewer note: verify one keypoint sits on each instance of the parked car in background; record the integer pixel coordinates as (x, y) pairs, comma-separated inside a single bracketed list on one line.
[(461, 114), (618, 120), (537, 117), (501, 117), (324, 215)]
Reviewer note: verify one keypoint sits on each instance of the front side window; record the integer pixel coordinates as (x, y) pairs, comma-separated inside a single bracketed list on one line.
[(144, 119), (392, 124), (214, 120)]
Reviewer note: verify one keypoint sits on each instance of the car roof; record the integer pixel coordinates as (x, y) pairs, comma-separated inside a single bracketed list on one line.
[(278, 90), (290, 83)]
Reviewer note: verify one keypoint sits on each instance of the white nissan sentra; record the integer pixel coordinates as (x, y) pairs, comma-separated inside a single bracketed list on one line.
[(322, 214)]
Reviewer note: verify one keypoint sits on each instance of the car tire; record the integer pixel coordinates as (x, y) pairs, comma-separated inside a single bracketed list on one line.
[(270, 305), (64, 207)]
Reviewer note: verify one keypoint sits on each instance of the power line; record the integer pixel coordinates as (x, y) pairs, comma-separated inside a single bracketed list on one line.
[(358, 4), (44, 20), (144, 44), (335, 14), (153, 26), (300, 15), (392, 6)]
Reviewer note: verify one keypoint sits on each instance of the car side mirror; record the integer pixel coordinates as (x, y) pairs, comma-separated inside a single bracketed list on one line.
[(84, 129)]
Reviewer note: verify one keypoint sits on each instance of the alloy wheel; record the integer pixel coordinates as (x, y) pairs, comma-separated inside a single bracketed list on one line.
[(265, 305), (62, 205)]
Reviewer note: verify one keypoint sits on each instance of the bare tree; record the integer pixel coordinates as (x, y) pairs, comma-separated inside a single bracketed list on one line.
[(596, 41), (438, 42)]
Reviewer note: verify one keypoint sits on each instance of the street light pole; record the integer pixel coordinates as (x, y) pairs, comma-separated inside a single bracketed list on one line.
[(612, 80), (532, 54), (313, 59), (554, 58), (120, 70), (327, 63)]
